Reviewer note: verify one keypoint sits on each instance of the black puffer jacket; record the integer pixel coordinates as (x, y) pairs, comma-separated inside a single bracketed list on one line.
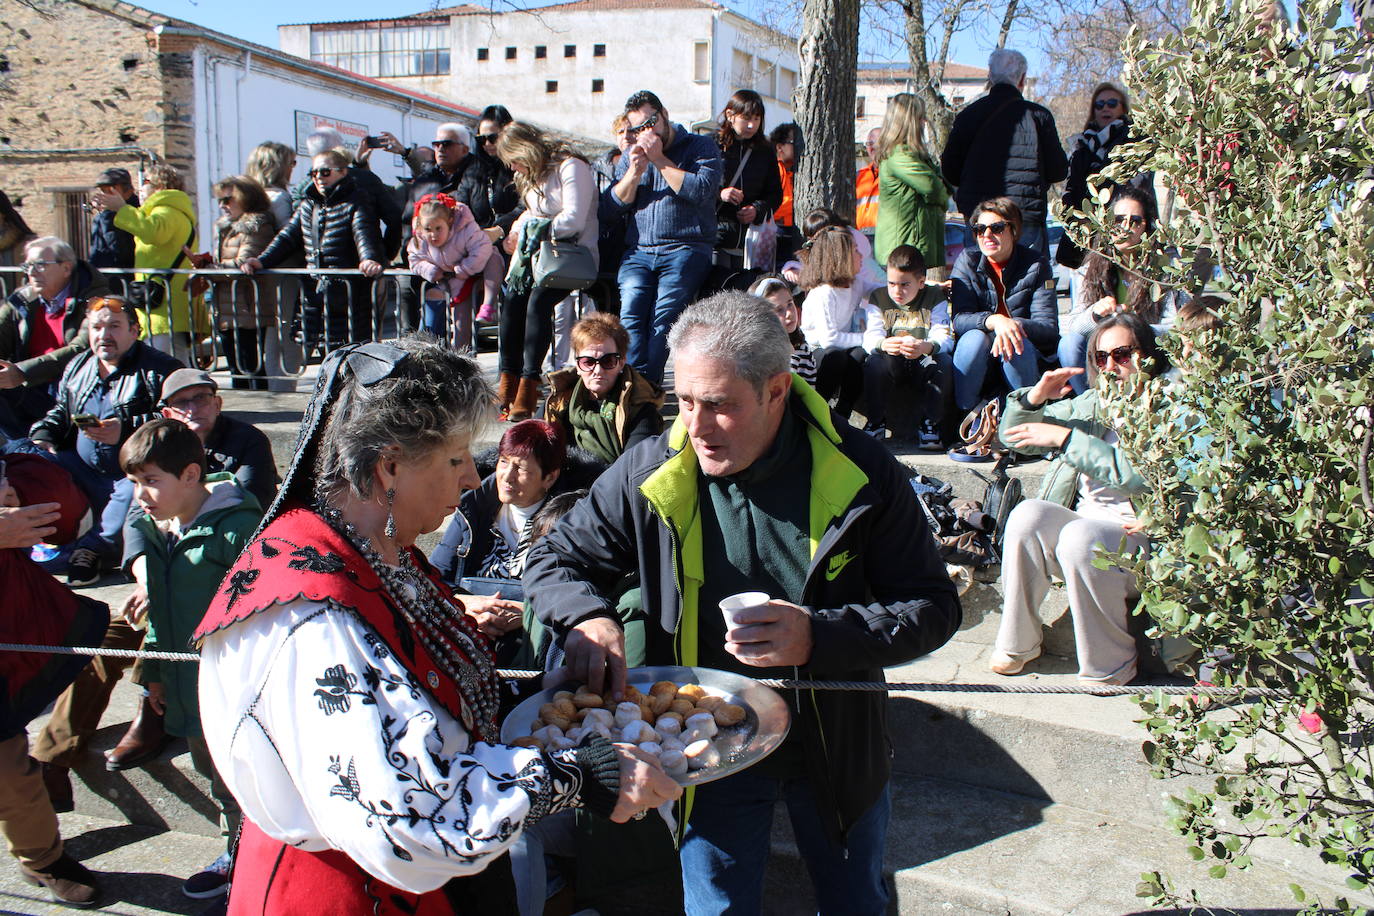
[(761, 184), (338, 229), (1004, 146), (488, 188), (135, 390), (1031, 299)]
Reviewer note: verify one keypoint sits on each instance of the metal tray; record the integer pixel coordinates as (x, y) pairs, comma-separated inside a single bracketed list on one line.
[(766, 717)]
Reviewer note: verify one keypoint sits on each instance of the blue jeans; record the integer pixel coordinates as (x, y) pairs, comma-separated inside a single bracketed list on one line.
[(726, 848), (973, 353), (110, 499), (1073, 351), (656, 284)]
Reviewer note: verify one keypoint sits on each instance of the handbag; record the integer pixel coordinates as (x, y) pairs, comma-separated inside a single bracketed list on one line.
[(761, 246), (564, 265), (151, 294)]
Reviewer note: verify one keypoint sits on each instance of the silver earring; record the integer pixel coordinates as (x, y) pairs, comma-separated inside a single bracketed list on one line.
[(390, 519)]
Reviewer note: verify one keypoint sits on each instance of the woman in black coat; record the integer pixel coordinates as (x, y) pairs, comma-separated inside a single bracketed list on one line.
[(752, 188), (488, 189)]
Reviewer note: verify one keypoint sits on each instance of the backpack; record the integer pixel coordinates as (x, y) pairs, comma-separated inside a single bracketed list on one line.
[(962, 531)]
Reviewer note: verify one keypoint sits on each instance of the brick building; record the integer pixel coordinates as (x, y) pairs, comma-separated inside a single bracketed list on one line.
[(90, 84)]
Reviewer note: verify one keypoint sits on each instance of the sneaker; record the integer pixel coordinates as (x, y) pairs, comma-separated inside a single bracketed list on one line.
[(83, 568), (878, 432), (486, 313), (67, 881), (928, 437), (1006, 664), (210, 882)]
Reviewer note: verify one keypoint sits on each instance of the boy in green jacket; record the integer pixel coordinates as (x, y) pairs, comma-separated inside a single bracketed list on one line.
[(194, 528)]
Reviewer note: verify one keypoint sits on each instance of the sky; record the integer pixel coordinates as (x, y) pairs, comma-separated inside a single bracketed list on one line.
[(257, 21)]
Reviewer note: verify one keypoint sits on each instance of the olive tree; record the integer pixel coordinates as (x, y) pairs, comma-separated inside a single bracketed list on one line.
[(1260, 514)]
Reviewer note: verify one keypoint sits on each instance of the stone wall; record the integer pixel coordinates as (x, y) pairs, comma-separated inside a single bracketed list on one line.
[(77, 77)]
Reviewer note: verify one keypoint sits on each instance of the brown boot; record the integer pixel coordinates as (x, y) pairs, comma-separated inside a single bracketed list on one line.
[(505, 392), (67, 881), (526, 400), (58, 781), (145, 739)]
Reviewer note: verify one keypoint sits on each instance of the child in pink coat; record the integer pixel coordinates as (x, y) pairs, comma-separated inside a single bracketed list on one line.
[(448, 249)]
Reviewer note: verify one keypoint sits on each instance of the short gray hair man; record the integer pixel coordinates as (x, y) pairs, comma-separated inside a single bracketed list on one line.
[(53, 247), (1006, 66), (459, 132), (737, 328)]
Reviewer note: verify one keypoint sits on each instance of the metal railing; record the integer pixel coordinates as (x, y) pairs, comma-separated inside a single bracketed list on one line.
[(268, 326)]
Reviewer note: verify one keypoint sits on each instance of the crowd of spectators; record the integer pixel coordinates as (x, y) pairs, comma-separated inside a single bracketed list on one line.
[(106, 382)]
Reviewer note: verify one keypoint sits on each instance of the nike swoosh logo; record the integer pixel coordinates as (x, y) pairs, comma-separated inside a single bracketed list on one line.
[(837, 565)]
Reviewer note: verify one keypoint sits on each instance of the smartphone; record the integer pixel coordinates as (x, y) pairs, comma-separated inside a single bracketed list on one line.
[(84, 420), (373, 142)]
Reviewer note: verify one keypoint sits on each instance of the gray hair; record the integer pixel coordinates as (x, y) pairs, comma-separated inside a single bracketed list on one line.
[(460, 132), (441, 393), (51, 244), (738, 328), (1006, 66), (322, 139)]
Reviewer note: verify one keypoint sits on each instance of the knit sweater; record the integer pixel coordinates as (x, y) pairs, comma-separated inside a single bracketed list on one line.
[(660, 216)]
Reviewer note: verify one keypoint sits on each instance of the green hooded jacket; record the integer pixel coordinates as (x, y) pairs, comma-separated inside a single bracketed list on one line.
[(161, 225)]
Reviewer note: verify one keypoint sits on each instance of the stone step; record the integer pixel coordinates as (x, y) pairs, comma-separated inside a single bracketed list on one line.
[(954, 849), (141, 868)]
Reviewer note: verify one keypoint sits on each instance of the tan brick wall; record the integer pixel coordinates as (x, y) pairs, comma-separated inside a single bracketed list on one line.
[(82, 79)]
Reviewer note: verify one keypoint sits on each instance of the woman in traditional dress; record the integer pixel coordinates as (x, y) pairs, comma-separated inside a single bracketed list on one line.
[(348, 702)]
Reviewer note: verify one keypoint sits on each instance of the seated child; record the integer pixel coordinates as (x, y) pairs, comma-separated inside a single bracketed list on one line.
[(194, 528), (837, 319), (779, 292), (915, 351), (449, 250)]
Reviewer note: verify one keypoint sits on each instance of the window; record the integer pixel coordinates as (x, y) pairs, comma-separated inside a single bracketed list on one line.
[(741, 70), (859, 107), (765, 77), (957, 101), (540, 52), (598, 50), (395, 48), (75, 220), (598, 85), (510, 53), (483, 53), (701, 62), (570, 50), (787, 84), (551, 85)]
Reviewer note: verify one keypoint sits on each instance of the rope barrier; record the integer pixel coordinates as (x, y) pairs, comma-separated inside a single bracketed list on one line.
[(1097, 690)]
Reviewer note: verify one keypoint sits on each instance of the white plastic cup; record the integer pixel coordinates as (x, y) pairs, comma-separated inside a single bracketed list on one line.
[(743, 601)]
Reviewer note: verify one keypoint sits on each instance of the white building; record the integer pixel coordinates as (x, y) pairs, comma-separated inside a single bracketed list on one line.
[(879, 82), (570, 66)]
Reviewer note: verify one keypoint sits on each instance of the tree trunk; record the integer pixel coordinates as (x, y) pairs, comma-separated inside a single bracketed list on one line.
[(1007, 19), (829, 51), (939, 116)]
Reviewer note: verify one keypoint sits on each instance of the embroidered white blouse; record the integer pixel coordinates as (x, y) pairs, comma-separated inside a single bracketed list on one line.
[(328, 742)]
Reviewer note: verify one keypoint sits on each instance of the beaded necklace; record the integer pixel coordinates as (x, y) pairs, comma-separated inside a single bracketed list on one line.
[(446, 633)]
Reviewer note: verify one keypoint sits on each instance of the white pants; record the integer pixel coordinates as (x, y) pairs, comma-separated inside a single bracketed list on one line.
[(1044, 539)]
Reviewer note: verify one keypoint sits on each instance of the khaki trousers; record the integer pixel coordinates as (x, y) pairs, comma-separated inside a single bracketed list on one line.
[(26, 816), (76, 714), (1044, 540)]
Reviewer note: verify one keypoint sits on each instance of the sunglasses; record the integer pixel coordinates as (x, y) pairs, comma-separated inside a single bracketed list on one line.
[(649, 122), (1128, 219), (1106, 103), (323, 172), (996, 228), (186, 405), (606, 361), (488, 138), (443, 144), (1122, 355)]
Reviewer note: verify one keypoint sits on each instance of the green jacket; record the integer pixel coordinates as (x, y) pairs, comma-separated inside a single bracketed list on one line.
[(1085, 452), (912, 211), (182, 580), (160, 226)]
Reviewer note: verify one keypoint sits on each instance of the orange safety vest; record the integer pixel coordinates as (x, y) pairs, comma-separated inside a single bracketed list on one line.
[(866, 197), (783, 214)]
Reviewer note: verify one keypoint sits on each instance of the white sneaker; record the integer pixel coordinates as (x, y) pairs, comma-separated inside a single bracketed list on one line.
[(1006, 664)]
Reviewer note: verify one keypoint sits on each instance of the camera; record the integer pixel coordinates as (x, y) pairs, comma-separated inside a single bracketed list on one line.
[(373, 142)]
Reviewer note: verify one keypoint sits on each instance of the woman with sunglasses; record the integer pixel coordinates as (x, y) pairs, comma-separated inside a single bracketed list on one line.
[(336, 226), (602, 404), (488, 189), (1002, 305), (1119, 281), (1084, 504), (244, 310)]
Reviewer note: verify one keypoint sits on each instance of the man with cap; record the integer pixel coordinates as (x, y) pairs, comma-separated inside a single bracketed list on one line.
[(191, 396), (111, 246)]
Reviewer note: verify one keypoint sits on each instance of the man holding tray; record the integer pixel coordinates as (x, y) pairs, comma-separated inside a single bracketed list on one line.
[(757, 487)]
